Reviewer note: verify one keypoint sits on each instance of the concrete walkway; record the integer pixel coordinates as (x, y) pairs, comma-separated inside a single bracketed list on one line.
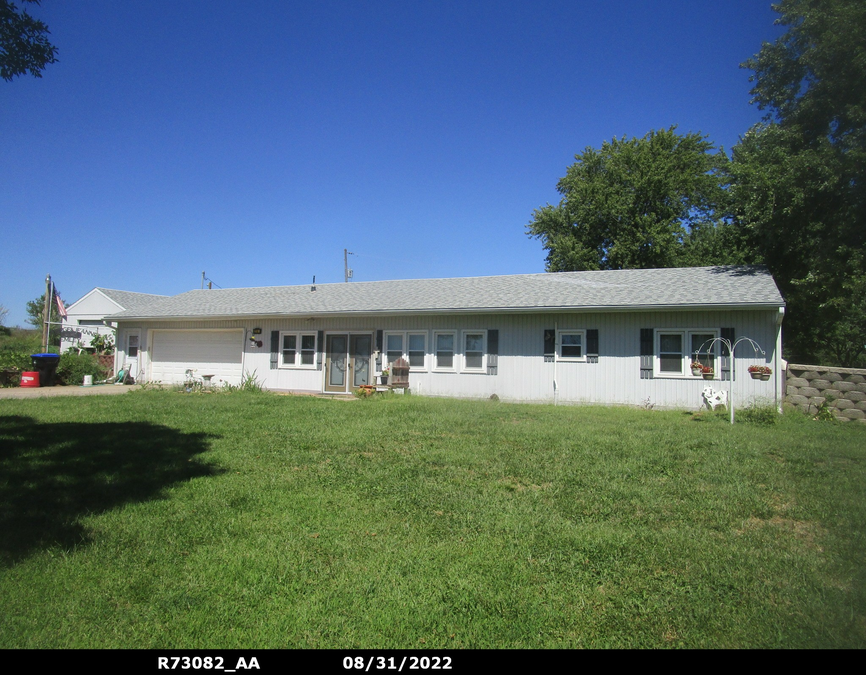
[(42, 392)]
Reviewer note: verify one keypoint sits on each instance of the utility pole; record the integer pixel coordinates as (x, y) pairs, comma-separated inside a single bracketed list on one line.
[(202, 281), (46, 314), (346, 270)]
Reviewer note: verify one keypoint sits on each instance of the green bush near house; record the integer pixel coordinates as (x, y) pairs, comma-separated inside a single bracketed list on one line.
[(73, 367), (13, 360), (16, 346)]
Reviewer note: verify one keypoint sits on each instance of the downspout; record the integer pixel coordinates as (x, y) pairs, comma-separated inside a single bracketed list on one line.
[(247, 335), (116, 346), (555, 345), (777, 358)]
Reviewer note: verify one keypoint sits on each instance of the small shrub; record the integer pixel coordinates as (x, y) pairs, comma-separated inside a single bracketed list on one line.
[(759, 414), (825, 411), (15, 360), (73, 367), (249, 383)]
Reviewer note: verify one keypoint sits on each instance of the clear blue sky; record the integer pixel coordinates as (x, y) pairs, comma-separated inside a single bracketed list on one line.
[(256, 140)]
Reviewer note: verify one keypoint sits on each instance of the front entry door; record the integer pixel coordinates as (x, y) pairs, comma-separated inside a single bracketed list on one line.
[(133, 339), (347, 362)]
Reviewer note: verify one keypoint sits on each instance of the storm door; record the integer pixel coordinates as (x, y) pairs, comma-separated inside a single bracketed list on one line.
[(347, 362), (360, 351)]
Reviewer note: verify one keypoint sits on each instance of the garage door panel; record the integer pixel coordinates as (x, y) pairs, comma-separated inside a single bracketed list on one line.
[(217, 353)]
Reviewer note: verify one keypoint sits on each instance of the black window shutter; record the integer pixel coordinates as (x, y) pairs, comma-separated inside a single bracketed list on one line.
[(646, 353), (549, 345), (592, 345), (492, 351), (275, 348), (730, 335), (320, 349)]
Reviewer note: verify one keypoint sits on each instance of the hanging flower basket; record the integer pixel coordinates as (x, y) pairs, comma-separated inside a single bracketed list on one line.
[(760, 372), (701, 369)]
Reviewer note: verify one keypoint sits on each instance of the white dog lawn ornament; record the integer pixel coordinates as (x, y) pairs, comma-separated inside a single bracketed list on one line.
[(713, 398)]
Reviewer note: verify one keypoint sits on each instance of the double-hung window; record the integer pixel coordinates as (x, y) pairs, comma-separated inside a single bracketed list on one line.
[(702, 350), (571, 345), (393, 347), (473, 350), (670, 353), (417, 350), (407, 345), (444, 350), (677, 349), (297, 350)]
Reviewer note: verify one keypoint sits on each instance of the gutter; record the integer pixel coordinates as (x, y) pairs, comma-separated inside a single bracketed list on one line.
[(462, 310)]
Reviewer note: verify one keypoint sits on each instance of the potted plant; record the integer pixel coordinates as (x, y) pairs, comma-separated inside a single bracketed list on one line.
[(384, 376), (697, 368), (760, 372), (707, 372)]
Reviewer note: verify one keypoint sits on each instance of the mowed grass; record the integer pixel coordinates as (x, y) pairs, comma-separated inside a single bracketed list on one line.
[(169, 520)]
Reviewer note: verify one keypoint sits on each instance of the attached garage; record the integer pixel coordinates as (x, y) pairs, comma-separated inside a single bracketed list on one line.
[(208, 352)]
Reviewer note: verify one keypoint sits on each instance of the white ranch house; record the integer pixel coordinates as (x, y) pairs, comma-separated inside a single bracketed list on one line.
[(620, 337)]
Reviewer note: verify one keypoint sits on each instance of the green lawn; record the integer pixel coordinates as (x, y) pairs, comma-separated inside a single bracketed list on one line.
[(170, 520)]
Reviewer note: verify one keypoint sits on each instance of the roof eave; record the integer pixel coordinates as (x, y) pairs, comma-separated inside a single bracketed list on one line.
[(462, 310)]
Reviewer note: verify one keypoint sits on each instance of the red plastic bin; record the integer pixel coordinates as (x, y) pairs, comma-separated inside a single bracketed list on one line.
[(29, 378)]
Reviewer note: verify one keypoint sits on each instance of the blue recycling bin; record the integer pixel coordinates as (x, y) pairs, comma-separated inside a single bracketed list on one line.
[(46, 365)]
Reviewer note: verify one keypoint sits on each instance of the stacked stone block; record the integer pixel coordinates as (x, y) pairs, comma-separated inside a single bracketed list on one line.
[(844, 389)]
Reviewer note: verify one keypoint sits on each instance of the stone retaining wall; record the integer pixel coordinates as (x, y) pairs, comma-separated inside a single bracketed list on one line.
[(807, 387)]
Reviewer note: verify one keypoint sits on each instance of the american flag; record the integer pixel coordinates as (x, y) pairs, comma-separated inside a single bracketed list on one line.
[(60, 308)]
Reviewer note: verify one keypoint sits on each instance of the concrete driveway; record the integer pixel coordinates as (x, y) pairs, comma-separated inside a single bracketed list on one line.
[(42, 392)]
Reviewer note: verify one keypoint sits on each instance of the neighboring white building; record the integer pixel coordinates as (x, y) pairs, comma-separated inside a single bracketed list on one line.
[(86, 316), (624, 337)]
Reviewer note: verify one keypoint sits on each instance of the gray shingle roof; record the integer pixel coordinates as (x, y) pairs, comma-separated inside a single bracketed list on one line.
[(129, 300), (693, 287)]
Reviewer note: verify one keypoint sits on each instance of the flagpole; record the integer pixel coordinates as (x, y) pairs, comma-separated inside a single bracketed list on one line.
[(46, 314)]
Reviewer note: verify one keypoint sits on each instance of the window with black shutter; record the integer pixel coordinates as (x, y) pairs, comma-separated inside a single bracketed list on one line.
[(646, 353), (729, 335), (275, 349), (549, 345), (592, 345), (492, 352)]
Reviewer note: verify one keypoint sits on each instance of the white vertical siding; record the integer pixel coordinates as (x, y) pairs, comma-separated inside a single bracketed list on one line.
[(522, 373)]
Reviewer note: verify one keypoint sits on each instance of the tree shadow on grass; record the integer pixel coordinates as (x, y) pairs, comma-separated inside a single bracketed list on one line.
[(53, 474)]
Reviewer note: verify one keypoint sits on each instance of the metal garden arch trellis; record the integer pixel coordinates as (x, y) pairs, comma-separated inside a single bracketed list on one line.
[(731, 347)]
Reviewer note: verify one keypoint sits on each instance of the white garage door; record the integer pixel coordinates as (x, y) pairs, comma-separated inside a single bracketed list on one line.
[(208, 352)]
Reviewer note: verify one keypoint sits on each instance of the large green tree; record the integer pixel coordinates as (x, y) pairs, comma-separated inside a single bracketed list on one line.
[(35, 309), (24, 45), (799, 177), (656, 201)]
